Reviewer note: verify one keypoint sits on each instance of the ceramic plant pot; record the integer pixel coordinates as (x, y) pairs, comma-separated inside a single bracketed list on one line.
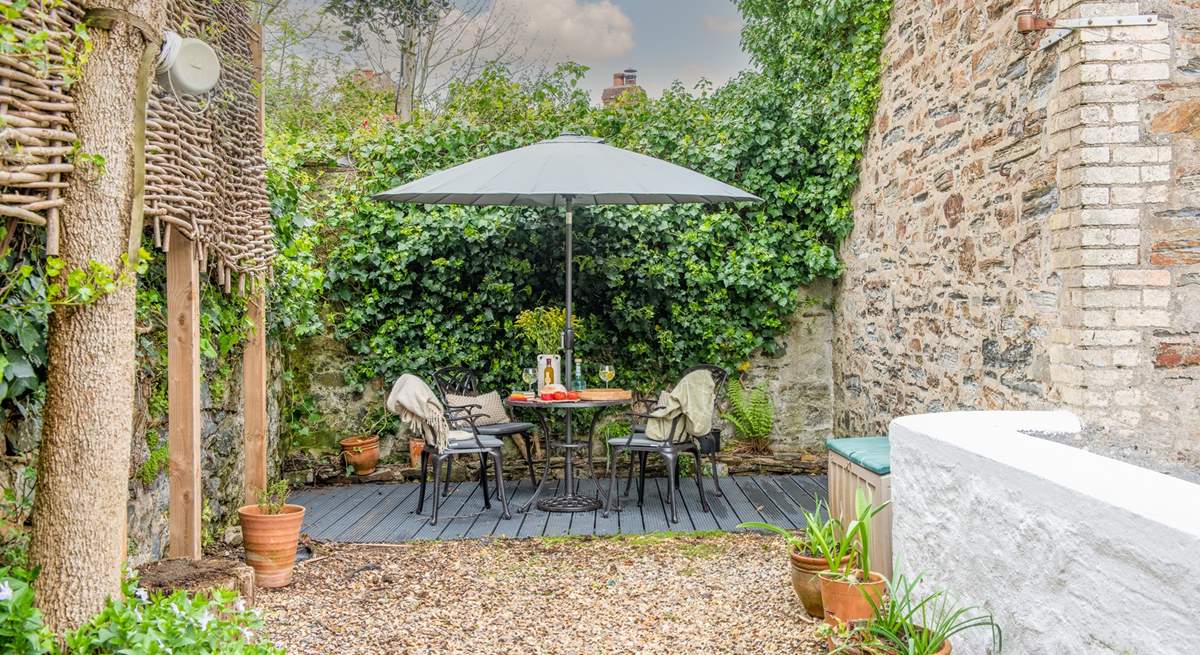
[(846, 602), (838, 644), (270, 541), (415, 448), (806, 584), (361, 452)]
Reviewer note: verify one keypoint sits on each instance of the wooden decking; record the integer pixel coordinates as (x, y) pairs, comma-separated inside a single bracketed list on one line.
[(384, 513)]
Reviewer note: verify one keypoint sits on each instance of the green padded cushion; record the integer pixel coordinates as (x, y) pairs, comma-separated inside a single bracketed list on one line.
[(871, 453)]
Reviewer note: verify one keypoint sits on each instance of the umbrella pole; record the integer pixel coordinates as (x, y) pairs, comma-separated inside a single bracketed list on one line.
[(568, 328)]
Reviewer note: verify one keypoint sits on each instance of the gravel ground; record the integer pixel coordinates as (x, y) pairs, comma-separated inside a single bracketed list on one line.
[(717, 593)]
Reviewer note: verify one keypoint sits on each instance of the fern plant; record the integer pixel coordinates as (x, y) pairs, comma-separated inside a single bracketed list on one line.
[(751, 414)]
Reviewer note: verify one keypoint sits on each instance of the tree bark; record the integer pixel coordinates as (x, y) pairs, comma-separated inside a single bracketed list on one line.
[(79, 514)]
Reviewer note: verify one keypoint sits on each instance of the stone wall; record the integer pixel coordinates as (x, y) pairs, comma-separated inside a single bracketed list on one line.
[(1049, 539), (223, 459), (1027, 225)]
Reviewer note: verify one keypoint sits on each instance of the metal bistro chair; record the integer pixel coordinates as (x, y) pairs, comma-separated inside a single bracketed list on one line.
[(709, 445), (462, 381), (677, 443), (463, 442)]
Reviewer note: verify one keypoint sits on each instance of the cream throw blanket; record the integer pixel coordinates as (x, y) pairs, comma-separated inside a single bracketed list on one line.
[(420, 411), (692, 398)]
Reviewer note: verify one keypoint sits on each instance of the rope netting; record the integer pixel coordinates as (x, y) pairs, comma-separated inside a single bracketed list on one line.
[(205, 172)]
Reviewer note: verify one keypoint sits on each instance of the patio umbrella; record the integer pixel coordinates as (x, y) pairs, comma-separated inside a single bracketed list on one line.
[(567, 171)]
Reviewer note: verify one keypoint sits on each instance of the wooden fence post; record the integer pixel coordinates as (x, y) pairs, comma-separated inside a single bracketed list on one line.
[(183, 395), (254, 395)]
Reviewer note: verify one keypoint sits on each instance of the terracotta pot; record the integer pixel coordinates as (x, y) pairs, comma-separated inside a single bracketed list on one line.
[(415, 447), (361, 452), (805, 582), (270, 541), (834, 644), (846, 602)]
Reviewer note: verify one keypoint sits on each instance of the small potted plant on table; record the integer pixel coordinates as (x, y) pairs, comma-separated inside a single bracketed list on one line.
[(543, 328), (807, 552), (270, 535), (848, 594)]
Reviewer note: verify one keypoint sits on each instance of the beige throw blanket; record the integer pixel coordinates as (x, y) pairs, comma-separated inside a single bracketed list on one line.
[(420, 411), (692, 399)]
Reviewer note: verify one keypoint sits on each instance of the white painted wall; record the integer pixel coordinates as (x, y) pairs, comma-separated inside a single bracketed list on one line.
[(1072, 552)]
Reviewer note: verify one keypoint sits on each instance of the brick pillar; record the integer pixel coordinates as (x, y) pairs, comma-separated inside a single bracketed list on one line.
[(1112, 173)]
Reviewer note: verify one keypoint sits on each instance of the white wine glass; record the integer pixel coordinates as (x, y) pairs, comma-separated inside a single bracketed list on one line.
[(607, 373), (529, 375)]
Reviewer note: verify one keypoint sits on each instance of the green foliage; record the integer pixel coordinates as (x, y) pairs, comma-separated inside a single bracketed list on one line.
[(48, 51), (272, 499), (201, 624), (915, 623), (542, 327), (16, 504), (22, 631), (815, 539), (751, 414), (156, 462)]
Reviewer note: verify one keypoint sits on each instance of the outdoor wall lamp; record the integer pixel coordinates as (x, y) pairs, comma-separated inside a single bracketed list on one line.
[(1031, 20)]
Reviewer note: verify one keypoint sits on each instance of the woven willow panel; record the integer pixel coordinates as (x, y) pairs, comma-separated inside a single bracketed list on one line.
[(205, 173)]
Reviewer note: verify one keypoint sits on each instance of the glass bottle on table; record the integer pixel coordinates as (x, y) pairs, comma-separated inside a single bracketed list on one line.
[(577, 382)]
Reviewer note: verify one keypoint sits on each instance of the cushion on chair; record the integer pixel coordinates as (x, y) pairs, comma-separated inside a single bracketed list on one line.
[(461, 439), (871, 453), (505, 429), (490, 407)]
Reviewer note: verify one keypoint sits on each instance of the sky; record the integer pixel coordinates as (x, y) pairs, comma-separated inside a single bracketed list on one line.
[(664, 40)]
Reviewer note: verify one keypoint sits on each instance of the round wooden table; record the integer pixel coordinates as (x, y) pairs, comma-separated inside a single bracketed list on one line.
[(570, 500)]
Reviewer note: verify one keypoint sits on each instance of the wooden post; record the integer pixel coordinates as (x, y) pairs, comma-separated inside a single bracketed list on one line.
[(254, 359), (183, 395), (254, 395)]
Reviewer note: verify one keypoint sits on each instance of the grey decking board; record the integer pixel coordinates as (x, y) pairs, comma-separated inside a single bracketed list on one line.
[(396, 497), (385, 513)]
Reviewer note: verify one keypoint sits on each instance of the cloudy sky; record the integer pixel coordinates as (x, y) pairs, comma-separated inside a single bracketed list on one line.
[(664, 40)]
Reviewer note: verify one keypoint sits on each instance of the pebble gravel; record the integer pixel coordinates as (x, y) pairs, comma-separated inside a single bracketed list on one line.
[(713, 593)]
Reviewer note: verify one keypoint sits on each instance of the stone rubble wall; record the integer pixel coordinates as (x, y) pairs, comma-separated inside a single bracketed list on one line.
[(1027, 225)]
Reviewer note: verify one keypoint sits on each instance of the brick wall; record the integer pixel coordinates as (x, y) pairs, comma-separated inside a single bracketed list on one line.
[(1028, 225)]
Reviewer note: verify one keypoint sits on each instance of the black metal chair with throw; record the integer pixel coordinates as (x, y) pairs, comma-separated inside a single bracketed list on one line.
[(709, 445), (458, 386), (463, 442), (677, 442)]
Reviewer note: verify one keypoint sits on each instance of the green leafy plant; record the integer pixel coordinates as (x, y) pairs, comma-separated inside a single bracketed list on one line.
[(860, 530), (16, 503), (207, 623), (272, 499), (751, 414), (542, 327), (913, 623), (819, 538), (22, 631)]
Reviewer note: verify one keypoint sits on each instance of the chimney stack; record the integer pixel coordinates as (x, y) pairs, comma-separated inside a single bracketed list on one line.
[(630, 77), (623, 81), (618, 79)]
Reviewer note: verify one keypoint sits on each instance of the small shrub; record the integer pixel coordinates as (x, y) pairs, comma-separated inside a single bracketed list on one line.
[(15, 506), (203, 624), (272, 499)]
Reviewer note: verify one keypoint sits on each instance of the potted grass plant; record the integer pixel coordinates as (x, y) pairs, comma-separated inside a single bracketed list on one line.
[(908, 622), (807, 551), (848, 594), (270, 535)]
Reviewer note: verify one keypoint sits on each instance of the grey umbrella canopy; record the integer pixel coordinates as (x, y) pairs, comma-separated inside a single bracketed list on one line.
[(583, 169), (566, 171)]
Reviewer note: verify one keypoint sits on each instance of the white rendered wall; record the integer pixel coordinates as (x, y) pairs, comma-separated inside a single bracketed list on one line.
[(1072, 552)]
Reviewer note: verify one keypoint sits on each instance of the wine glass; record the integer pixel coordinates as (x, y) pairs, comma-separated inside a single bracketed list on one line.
[(607, 373), (529, 375)]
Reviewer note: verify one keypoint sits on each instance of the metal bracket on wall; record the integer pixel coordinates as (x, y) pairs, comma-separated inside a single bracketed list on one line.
[(1058, 29)]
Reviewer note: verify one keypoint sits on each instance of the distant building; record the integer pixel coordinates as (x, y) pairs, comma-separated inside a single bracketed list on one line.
[(623, 82)]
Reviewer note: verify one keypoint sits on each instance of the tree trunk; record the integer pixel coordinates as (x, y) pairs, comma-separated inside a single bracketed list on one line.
[(408, 71), (79, 515)]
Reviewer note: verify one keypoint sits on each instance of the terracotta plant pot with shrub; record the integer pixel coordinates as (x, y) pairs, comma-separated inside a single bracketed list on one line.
[(850, 594), (270, 535), (805, 549), (361, 452)]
